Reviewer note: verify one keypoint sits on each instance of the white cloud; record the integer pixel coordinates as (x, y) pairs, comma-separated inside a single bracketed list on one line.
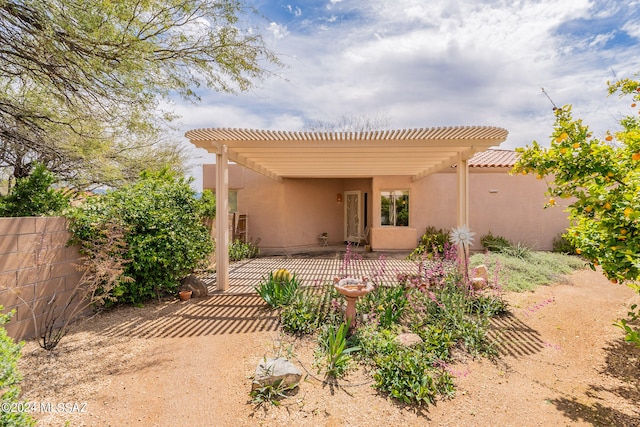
[(632, 28), (278, 31), (437, 63), (296, 11)]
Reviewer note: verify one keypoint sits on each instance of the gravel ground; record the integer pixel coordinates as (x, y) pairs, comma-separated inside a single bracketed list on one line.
[(189, 364)]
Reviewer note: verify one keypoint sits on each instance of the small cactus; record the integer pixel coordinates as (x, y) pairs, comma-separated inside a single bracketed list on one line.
[(282, 275)]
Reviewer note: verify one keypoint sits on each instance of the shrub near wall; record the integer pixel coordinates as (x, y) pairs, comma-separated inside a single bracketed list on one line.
[(165, 235), (12, 411)]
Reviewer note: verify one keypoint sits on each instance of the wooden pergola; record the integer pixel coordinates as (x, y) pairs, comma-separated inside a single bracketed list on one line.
[(283, 154)]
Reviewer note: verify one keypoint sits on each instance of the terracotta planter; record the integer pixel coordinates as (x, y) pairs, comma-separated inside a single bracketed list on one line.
[(185, 295)]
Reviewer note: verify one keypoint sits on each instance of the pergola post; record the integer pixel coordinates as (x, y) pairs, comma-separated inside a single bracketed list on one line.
[(222, 218), (462, 175), (462, 172)]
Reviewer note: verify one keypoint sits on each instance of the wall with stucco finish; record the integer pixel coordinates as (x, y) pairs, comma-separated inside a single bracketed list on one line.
[(294, 212), (511, 206)]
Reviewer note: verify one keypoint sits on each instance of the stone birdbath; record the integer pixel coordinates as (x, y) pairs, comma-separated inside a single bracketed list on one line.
[(352, 289)]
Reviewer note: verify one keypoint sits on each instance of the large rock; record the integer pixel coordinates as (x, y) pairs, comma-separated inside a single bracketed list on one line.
[(480, 277), (270, 371), (195, 285)]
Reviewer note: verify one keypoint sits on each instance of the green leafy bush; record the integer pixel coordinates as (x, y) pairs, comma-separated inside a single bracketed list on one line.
[(207, 204), (375, 342), (562, 245), (494, 243), (34, 196), (310, 308), (386, 303), (239, 250), (409, 376), (452, 315), (432, 241), (10, 377), (278, 289), (163, 228)]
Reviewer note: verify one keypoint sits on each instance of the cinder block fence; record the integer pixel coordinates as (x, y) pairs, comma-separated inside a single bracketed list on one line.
[(35, 264)]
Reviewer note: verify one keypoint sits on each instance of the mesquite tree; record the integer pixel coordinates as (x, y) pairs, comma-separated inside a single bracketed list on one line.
[(81, 82)]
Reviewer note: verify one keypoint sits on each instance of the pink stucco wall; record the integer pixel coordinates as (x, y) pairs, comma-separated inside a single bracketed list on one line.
[(293, 213), (511, 206)]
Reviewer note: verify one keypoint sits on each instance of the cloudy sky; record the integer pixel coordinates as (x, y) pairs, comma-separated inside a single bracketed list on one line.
[(436, 63)]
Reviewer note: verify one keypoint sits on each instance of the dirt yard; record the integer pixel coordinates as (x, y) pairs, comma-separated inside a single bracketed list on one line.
[(189, 364)]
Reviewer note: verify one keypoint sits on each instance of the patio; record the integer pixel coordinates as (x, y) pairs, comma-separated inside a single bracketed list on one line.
[(379, 156), (240, 310), (315, 266)]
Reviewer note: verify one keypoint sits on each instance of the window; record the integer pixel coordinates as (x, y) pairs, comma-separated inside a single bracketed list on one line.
[(394, 208), (233, 201)]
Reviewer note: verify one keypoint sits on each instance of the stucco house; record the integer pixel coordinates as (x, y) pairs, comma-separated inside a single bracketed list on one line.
[(387, 186)]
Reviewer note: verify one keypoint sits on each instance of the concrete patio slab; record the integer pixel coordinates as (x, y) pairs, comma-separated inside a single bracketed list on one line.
[(312, 270)]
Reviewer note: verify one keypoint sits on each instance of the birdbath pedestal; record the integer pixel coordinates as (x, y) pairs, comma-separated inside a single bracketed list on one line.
[(352, 289)]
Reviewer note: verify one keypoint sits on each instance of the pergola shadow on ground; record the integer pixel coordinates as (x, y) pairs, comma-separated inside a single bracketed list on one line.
[(513, 337), (218, 314), (240, 309), (314, 270)]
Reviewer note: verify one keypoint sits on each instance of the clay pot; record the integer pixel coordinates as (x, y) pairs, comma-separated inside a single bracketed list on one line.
[(185, 295)]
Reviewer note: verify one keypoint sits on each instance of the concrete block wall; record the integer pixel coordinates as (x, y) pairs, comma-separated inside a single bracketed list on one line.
[(35, 264)]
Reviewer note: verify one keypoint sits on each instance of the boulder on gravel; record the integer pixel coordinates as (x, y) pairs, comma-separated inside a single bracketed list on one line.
[(273, 370), (194, 284)]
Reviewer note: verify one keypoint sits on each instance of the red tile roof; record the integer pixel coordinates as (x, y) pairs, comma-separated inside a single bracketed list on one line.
[(493, 159)]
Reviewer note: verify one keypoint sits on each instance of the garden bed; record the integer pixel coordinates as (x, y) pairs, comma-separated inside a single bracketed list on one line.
[(561, 362)]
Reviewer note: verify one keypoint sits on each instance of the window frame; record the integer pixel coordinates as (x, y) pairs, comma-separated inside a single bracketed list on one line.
[(399, 194)]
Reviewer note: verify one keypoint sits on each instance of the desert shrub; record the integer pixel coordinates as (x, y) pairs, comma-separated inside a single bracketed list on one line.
[(452, 315), (278, 289), (385, 303), (164, 233), (299, 317), (34, 196), (518, 250), (561, 245), (333, 354), (409, 376), (271, 393), (12, 413), (494, 243), (310, 308), (432, 241), (239, 250), (517, 274), (375, 342)]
